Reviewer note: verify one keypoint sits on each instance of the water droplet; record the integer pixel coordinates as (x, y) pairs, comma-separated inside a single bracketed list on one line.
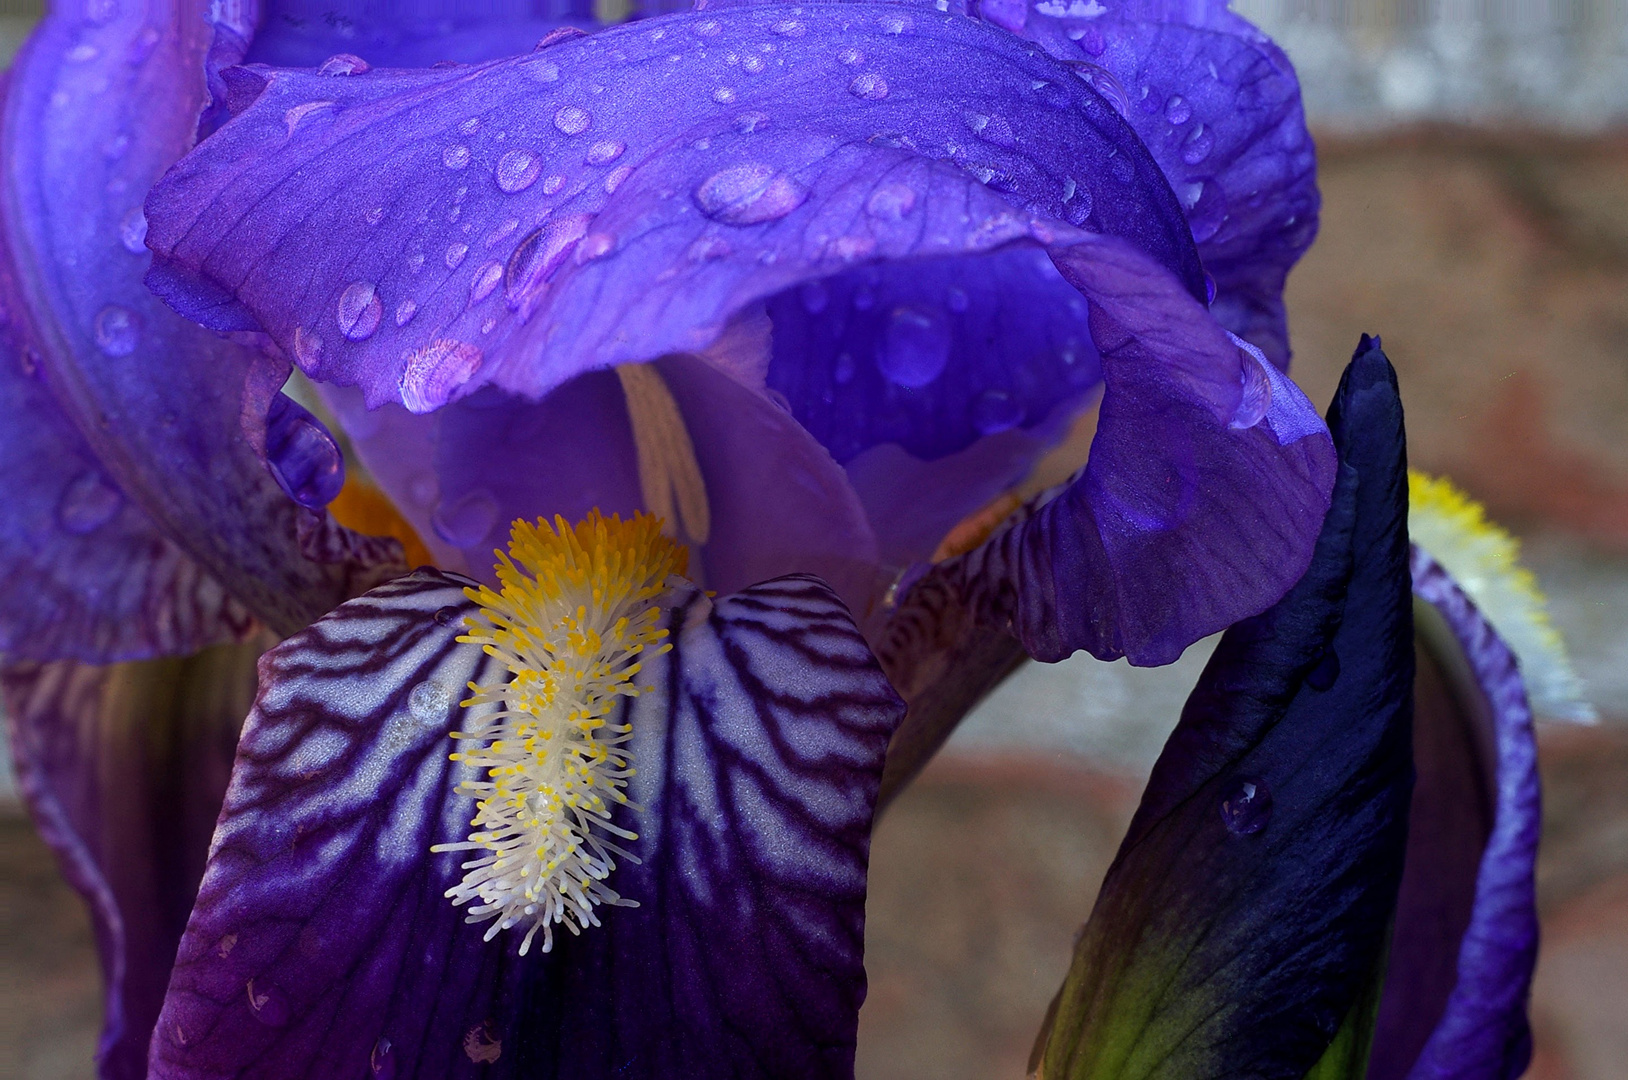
[(915, 347), (814, 297), (604, 152), (88, 503), (405, 311), (1209, 288), (956, 299), (1254, 392), (850, 57), (553, 184), (754, 64), (430, 701), (1198, 145), (1246, 806), (303, 457), (894, 24), (538, 257), (557, 35), (1326, 672), (466, 522), (709, 28), (486, 279), (544, 71), (267, 1004), (748, 122), (708, 248), (790, 28), (82, 52), (296, 116), (749, 194), (723, 95), (343, 64), (595, 245), (374, 215), (382, 1061), (455, 254), (117, 329), (571, 120), (995, 411), (455, 156), (870, 86), (133, 232), (1208, 209), (1177, 110), (359, 310), (307, 348), (891, 202), (615, 177), (435, 371), (446, 616), (517, 170), (470, 126)]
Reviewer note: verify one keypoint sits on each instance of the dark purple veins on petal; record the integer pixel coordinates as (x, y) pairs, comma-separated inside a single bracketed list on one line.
[(759, 749)]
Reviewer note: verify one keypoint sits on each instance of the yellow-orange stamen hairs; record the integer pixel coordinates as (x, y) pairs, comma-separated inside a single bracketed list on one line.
[(575, 610)]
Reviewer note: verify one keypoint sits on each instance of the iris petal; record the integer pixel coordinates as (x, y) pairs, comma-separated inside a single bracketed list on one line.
[(321, 941), (123, 767), (1255, 886)]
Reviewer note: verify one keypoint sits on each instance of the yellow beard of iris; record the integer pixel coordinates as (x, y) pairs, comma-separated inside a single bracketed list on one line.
[(575, 610)]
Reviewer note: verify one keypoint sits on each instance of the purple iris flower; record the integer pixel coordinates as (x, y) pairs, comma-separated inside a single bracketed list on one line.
[(820, 285)]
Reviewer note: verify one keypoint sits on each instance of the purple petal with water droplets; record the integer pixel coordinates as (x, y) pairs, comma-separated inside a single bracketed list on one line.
[(1218, 105), (321, 938), (1467, 929), (385, 33), (96, 109), (409, 182), (123, 768)]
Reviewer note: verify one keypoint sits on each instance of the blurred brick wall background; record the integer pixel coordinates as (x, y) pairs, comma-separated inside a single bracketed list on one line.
[(1493, 258)]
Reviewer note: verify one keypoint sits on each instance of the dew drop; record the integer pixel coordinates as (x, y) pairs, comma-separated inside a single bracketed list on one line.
[(790, 28), (517, 170), (1254, 392), (894, 24), (544, 71), (1209, 287), (405, 311), (446, 616), (870, 86), (430, 701), (267, 1004), (537, 258), (995, 411), (754, 64), (1198, 145), (571, 120), (297, 115), (374, 216), (915, 347), (1246, 806), (616, 177), (707, 248), (748, 122), (486, 279), (1177, 110), (604, 152), (850, 57), (455, 254), (87, 503), (553, 184), (470, 126), (708, 28), (303, 457), (749, 194), (723, 95), (891, 202), (435, 371), (117, 329), (343, 64), (595, 245), (467, 521), (557, 35), (307, 348), (133, 231), (455, 156), (359, 310), (382, 1060), (1326, 673)]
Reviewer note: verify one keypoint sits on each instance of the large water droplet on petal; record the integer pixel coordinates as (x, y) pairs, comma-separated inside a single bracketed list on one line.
[(749, 194), (133, 231), (1177, 110), (994, 411), (430, 701), (466, 521), (343, 64), (605, 151), (88, 503), (405, 311), (486, 279), (570, 120), (1198, 145), (1255, 392), (1326, 672), (748, 122), (517, 170), (851, 56), (1246, 805), (359, 310), (915, 347), (538, 257), (788, 28), (455, 254), (267, 1003), (455, 156), (117, 330), (435, 371), (596, 245), (870, 86), (303, 457), (382, 1061)]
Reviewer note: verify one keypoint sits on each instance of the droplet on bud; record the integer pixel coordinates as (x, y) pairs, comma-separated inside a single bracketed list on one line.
[(1247, 806), (303, 457)]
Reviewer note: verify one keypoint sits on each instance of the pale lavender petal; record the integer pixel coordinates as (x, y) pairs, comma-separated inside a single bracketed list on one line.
[(322, 945), (123, 768), (1472, 1023), (426, 232), (98, 105), (1218, 105)]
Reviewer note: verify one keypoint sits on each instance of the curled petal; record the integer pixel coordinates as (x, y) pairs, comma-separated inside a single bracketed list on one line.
[(1242, 915), (322, 943), (123, 767)]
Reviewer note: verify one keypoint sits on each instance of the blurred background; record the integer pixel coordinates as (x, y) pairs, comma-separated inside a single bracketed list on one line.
[(1473, 157)]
